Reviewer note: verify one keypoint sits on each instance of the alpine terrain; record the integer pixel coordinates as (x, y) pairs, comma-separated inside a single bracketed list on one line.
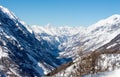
[(35, 51)]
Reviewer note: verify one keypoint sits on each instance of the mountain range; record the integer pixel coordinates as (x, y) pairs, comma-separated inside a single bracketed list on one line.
[(71, 39), (38, 50)]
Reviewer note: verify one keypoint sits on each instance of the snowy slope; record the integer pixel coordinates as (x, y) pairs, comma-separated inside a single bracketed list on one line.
[(115, 73), (102, 32)]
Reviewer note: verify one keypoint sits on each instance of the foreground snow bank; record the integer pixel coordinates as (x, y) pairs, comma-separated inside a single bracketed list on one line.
[(115, 73)]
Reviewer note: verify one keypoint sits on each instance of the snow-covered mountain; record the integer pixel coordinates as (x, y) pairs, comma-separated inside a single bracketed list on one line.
[(37, 50), (70, 40), (21, 54)]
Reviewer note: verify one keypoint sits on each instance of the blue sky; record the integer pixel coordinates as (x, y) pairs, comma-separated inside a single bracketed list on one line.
[(62, 12)]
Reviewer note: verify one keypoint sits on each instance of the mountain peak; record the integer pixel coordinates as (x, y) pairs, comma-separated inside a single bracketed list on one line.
[(107, 22), (7, 14), (111, 19), (114, 17)]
